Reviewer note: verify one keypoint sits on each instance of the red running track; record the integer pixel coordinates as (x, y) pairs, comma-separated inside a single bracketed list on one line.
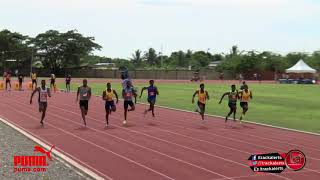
[(174, 145)]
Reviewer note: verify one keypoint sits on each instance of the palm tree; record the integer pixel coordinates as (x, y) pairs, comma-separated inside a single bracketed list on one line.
[(136, 57)]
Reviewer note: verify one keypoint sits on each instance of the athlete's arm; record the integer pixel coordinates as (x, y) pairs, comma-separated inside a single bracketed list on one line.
[(123, 93), (157, 92), (207, 94), (49, 92), (115, 93), (103, 95), (33, 92), (78, 94), (238, 95), (194, 94), (223, 97), (89, 93), (251, 95), (144, 88), (135, 97)]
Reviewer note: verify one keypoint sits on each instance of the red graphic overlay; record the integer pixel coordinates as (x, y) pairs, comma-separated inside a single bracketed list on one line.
[(295, 160)]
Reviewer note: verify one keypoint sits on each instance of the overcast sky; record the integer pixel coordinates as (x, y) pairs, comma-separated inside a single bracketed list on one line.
[(122, 26)]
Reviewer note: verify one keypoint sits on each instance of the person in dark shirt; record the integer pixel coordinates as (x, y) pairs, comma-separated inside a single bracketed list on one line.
[(233, 96), (243, 85), (8, 79), (20, 79), (152, 96), (68, 81)]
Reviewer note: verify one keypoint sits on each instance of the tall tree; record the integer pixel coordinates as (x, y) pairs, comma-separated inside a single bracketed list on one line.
[(14, 45), (151, 57), (62, 49), (234, 50), (179, 59), (293, 58), (136, 58)]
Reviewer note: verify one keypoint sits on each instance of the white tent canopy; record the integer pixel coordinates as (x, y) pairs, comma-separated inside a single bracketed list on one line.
[(301, 67)]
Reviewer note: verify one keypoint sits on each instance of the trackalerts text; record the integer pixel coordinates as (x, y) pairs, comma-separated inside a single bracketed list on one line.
[(277, 162)]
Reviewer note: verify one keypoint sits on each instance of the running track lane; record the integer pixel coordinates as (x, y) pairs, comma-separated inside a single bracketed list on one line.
[(155, 145)]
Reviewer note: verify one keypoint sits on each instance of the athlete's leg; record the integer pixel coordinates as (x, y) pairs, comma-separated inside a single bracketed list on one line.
[(152, 108), (132, 107), (234, 112), (113, 108), (244, 110), (43, 114), (201, 110), (125, 107), (83, 114), (107, 116), (230, 112)]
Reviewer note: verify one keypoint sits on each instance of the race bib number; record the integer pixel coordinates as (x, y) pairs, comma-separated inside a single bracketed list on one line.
[(151, 93), (85, 95), (43, 97), (128, 94)]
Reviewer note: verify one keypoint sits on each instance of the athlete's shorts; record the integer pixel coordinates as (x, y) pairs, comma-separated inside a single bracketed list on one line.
[(8, 81), (152, 100), (43, 105), (109, 105), (34, 81), (84, 104), (52, 81), (201, 105), (232, 105), (244, 104), (126, 104)]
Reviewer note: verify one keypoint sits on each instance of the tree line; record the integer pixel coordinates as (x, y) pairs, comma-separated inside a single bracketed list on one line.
[(58, 50)]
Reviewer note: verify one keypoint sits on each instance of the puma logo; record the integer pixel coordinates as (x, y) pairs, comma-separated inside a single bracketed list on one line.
[(42, 151)]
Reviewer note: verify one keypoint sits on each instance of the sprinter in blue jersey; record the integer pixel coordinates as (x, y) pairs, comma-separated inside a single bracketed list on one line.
[(152, 95)]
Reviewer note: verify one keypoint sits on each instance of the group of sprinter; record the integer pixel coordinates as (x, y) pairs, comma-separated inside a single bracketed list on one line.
[(7, 77), (109, 95), (129, 95), (244, 95)]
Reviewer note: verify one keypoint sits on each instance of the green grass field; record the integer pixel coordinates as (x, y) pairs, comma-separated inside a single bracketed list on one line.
[(290, 106)]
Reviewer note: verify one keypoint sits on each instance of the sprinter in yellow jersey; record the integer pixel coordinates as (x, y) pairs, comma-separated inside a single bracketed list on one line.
[(203, 96), (108, 96), (245, 96), (34, 79)]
